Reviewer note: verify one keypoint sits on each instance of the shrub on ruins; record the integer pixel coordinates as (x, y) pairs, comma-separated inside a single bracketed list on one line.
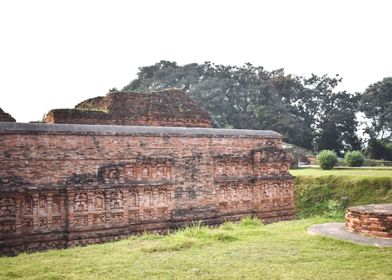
[(327, 159), (354, 158)]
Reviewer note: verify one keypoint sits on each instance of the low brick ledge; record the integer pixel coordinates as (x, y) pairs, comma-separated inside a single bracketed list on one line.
[(371, 220), (42, 128)]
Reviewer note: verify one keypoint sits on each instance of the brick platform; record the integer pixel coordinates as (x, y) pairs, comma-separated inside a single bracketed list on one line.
[(372, 220), (63, 185)]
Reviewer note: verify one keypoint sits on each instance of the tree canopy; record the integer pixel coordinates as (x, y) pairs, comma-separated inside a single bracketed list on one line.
[(376, 104), (309, 112)]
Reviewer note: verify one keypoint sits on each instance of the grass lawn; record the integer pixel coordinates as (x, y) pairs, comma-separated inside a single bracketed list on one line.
[(345, 171), (246, 250)]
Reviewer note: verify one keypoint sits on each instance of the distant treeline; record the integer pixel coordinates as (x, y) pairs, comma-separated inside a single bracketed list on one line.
[(309, 111)]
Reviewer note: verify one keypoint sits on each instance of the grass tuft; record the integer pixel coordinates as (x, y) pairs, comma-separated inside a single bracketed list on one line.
[(250, 222)]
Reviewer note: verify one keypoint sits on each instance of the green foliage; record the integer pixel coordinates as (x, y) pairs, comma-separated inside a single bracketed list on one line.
[(327, 159), (298, 154), (379, 149), (354, 158), (330, 195), (376, 104), (250, 222), (112, 90), (335, 208), (304, 110)]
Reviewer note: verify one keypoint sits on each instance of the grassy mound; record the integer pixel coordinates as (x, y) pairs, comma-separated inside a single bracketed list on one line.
[(319, 192)]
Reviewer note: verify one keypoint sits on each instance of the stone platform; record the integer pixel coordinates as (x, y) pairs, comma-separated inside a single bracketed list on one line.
[(371, 220), (338, 230)]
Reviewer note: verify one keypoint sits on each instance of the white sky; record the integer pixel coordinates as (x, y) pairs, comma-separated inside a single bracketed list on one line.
[(54, 54)]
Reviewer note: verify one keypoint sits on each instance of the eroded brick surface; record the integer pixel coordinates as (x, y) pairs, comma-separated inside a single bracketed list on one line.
[(170, 107), (63, 185)]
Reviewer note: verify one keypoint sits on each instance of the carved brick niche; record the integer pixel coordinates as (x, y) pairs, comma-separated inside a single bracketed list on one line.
[(32, 212), (232, 166), (270, 161), (145, 169), (260, 162), (259, 195), (7, 214)]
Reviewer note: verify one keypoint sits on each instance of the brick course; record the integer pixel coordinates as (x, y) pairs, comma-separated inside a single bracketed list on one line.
[(67, 185), (372, 220)]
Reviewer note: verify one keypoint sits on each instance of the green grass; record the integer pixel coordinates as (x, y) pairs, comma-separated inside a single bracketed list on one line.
[(345, 171), (247, 250), (329, 192)]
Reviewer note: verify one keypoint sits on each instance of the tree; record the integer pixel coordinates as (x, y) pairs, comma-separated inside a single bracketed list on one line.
[(330, 113), (307, 111), (376, 104)]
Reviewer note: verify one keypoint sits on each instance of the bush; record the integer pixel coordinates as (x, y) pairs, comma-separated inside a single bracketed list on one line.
[(327, 159), (354, 159), (334, 209)]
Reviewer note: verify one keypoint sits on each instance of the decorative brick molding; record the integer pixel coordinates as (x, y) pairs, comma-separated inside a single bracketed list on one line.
[(372, 219), (64, 185)]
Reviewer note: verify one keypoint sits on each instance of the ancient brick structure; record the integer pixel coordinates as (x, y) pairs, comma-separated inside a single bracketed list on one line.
[(64, 185), (164, 108), (4, 117), (372, 219)]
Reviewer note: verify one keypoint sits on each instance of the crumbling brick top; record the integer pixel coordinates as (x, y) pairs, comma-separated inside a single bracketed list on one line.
[(167, 107), (41, 128), (5, 117), (168, 103)]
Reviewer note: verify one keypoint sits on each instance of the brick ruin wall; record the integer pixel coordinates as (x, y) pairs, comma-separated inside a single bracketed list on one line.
[(5, 117), (67, 185), (65, 116)]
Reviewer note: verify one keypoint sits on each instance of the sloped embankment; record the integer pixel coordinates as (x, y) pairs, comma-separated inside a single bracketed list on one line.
[(330, 195)]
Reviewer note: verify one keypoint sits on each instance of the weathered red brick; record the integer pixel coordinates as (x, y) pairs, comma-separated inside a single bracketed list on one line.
[(66, 185)]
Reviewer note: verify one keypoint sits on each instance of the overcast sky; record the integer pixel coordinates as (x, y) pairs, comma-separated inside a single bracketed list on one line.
[(54, 54)]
